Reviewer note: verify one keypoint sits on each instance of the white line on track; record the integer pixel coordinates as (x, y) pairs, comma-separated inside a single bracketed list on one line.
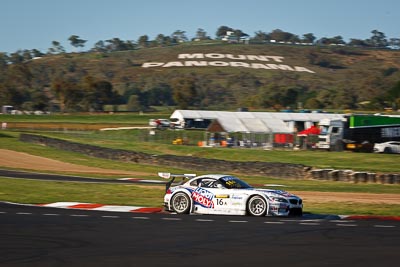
[(346, 225), (275, 222), (341, 221), (309, 223), (171, 219), (112, 217), (79, 215), (3, 212), (51, 214), (238, 221), (141, 218), (24, 213), (204, 220), (384, 226)]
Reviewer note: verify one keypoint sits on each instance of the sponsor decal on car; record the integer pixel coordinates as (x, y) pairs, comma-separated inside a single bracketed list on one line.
[(203, 197), (221, 196)]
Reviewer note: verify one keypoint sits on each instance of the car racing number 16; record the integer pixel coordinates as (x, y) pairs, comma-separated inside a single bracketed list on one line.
[(221, 200)]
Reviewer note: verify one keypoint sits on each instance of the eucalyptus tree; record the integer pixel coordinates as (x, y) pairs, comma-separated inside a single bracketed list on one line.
[(76, 41)]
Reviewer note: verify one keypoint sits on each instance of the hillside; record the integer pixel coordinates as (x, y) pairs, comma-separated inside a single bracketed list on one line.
[(223, 76)]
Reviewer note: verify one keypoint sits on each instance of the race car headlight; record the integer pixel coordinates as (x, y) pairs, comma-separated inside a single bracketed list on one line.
[(279, 199)]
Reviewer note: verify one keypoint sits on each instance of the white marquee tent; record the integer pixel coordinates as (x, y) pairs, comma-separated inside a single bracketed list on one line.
[(255, 122)]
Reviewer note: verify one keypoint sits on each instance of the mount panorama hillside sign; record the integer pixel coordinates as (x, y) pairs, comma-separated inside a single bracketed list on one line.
[(228, 60)]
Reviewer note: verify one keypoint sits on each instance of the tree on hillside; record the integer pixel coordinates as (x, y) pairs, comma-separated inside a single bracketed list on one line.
[(76, 41), (16, 57), (56, 48), (19, 75), (201, 35), (393, 96), (134, 103), (261, 36), (282, 36), (184, 92), (4, 59), (161, 40), (378, 39), (96, 93), (179, 36), (143, 41), (308, 38), (117, 44), (395, 43), (67, 93), (160, 94), (337, 40), (312, 103), (222, 30), (357, 42), (36, 53), (10, 95), (99, 47)]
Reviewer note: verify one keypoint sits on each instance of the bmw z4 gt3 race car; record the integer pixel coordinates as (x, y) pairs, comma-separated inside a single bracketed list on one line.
[(227, 195)]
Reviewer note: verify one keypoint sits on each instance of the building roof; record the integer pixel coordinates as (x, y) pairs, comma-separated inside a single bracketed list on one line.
[(252, 122)]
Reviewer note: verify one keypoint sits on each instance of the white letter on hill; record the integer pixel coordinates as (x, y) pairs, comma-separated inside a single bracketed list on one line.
[(303, 69), (218, 64), (152, 64), (240, 64), (214, 55), (195, 63), (182, 56), (173, 64)]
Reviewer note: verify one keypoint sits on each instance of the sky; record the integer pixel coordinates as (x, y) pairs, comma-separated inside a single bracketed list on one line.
[(35, 24)]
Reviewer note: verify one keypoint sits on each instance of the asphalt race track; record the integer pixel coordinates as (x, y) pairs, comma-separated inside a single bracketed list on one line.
[(43, 236), (39, 236), (57, 177)]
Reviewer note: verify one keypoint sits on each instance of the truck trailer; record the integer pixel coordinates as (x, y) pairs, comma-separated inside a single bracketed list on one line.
[(358, 132)]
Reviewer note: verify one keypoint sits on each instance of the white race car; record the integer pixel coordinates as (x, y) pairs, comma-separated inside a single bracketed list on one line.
[(228, 195), (387, 147)]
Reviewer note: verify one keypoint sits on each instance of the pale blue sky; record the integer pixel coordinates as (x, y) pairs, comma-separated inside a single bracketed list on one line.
[(28, 24)]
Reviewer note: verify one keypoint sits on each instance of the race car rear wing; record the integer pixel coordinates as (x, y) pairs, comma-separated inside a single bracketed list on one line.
[(167, 175)]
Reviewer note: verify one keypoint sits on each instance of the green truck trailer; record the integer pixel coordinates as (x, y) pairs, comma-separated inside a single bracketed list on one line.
[(358, 132)]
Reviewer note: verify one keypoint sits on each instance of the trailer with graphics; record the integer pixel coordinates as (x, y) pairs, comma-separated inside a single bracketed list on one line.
[(358, 132)]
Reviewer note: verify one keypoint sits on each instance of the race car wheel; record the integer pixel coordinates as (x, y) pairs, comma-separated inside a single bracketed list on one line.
[(257, 206), (387, 150), (180, 203)]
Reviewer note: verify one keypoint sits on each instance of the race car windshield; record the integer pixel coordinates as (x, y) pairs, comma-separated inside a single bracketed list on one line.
[(233, 182)]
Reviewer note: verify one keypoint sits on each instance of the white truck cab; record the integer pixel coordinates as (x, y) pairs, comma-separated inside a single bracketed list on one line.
[(331, 134)]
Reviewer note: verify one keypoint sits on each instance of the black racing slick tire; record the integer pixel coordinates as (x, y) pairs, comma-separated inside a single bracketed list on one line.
[(180, 203), (387, 150), (257, 206)]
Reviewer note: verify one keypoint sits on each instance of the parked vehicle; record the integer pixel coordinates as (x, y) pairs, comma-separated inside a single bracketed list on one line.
[(387, 147), (358, 132), (160, 123)]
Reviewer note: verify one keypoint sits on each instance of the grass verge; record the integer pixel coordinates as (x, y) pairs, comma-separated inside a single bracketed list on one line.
[(41, 192), (26, 191)]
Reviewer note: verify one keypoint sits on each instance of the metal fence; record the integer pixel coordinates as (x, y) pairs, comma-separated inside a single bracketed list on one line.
[(239, 140)]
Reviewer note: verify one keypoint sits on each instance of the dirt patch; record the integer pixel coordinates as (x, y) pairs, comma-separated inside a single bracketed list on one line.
[(20, 160)]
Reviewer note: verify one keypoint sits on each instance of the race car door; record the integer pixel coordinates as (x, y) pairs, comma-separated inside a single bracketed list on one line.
[(211, 198)]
